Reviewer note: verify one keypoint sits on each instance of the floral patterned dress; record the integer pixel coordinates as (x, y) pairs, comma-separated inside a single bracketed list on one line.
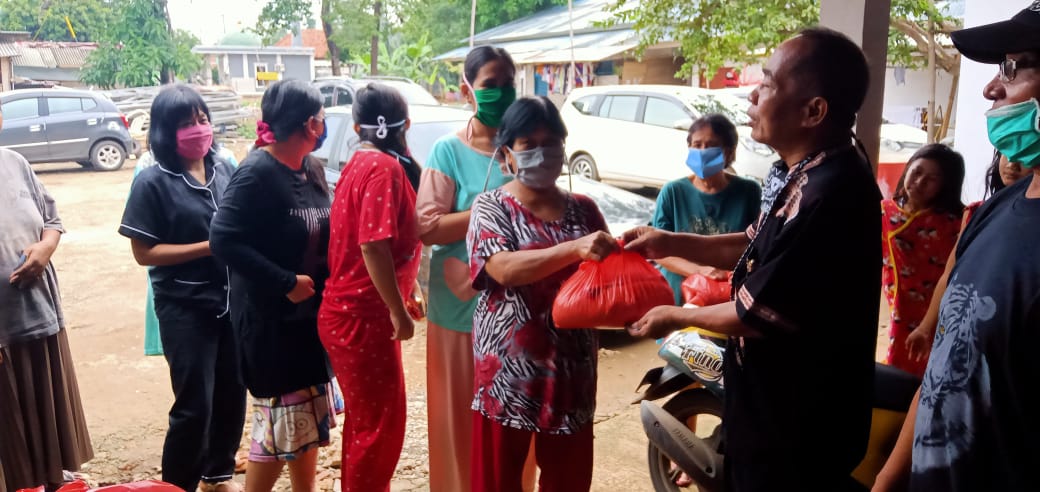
[(916, 247)]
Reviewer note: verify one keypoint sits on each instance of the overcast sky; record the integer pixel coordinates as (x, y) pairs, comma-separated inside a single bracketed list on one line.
[(210, 20)]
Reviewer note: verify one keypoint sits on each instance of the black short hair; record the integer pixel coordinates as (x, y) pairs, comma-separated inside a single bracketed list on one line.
[(524, 116), (832, 66), (174, 104), (482, 55), (287, 105), (951, 164), (376, 102), (720, 125)]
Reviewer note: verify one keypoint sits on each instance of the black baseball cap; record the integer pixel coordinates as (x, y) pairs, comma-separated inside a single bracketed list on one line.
[(992, 42)]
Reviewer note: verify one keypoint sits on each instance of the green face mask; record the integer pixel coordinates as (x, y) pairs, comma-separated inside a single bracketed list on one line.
[(1015, 131), (492, 104)]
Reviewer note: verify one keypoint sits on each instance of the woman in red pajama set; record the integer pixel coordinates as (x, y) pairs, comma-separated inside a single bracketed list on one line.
[(374, 256)]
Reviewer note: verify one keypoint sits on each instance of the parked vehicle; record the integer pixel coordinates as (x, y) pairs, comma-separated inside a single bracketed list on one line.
[(686, 432), (623, 210), (57, 125), (637, 133), (428, 124), (339, 91)]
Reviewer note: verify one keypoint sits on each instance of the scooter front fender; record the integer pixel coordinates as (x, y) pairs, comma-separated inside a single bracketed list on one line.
[(690, 453)]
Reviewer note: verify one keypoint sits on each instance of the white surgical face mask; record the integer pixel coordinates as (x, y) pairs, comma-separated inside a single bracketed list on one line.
[(538, 168)]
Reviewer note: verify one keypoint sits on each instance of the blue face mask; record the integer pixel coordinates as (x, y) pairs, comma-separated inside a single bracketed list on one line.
[(321, 138), (706, 163)]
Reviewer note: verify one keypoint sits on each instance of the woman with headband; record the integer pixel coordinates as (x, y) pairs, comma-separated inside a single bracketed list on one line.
[(374, 254)]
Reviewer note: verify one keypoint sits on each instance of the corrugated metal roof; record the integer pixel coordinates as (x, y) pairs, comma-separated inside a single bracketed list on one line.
[(593, 46), (52, 54), (8, 50), (71, 57), (552, 22)]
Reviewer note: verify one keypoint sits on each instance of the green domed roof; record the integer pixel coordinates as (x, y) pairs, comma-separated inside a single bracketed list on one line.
[(241, 39)]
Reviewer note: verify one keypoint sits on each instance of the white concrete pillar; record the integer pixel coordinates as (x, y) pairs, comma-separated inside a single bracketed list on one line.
[(970, 134), (866, 22)]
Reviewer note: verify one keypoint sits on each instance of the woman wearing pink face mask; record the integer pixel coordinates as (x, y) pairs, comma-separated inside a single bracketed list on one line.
[(167, 219)]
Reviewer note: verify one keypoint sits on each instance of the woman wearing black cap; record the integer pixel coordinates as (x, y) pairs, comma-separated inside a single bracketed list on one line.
[(972, 425)]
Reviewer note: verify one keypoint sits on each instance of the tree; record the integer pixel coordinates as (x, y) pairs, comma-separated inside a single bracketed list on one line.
[(348, 24), (45, 19), (414, 61), (279, 17), (139, 49), (326, 27), (714, 33)]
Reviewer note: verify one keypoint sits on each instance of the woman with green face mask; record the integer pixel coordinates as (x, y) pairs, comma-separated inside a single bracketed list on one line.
[(456, 172)]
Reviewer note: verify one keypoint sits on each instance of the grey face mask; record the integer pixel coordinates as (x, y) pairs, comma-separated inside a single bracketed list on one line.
[(538, 168)]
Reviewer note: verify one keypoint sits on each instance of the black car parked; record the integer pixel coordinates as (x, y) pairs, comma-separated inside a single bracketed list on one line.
[(58, 125)]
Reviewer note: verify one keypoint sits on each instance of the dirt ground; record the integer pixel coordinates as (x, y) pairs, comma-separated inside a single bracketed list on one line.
[(127, 395)]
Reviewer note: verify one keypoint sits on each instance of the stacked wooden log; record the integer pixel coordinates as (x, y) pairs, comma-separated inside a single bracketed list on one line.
[(225, 106)]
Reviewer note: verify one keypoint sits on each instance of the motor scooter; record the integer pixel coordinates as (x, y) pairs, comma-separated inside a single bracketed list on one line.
[(685, 433)]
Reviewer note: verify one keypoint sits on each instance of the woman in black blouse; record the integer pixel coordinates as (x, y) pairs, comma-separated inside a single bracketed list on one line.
[(273, 231), (167, 219)]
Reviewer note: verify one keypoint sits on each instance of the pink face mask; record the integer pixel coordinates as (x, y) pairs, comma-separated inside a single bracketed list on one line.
[(194, 142)]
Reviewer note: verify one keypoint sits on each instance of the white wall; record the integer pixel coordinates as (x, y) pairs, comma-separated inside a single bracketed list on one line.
[(902, 100), (970, 136)]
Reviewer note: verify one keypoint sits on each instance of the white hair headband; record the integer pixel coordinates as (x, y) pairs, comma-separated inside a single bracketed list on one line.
[(382, 127)]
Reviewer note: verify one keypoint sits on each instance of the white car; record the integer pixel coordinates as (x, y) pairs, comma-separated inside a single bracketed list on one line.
[(622, 209), (898, 141), (636, 134)]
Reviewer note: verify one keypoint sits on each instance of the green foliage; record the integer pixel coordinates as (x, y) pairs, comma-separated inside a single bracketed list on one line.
[(45, 19), (279, 17), (444, 22), (138, 48), (714, 33), (414, 61), (421, 28), (353, 25)]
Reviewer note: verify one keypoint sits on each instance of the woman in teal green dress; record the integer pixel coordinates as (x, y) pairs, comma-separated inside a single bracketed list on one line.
[(709, 201)]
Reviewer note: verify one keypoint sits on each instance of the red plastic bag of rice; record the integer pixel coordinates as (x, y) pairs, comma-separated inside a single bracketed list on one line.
[(703, 291), (611, 293)]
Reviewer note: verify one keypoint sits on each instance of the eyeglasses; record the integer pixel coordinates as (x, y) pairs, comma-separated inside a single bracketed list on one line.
[(1009, 67)]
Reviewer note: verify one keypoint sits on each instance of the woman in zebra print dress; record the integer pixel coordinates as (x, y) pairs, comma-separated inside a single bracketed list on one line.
[(532, 380)]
